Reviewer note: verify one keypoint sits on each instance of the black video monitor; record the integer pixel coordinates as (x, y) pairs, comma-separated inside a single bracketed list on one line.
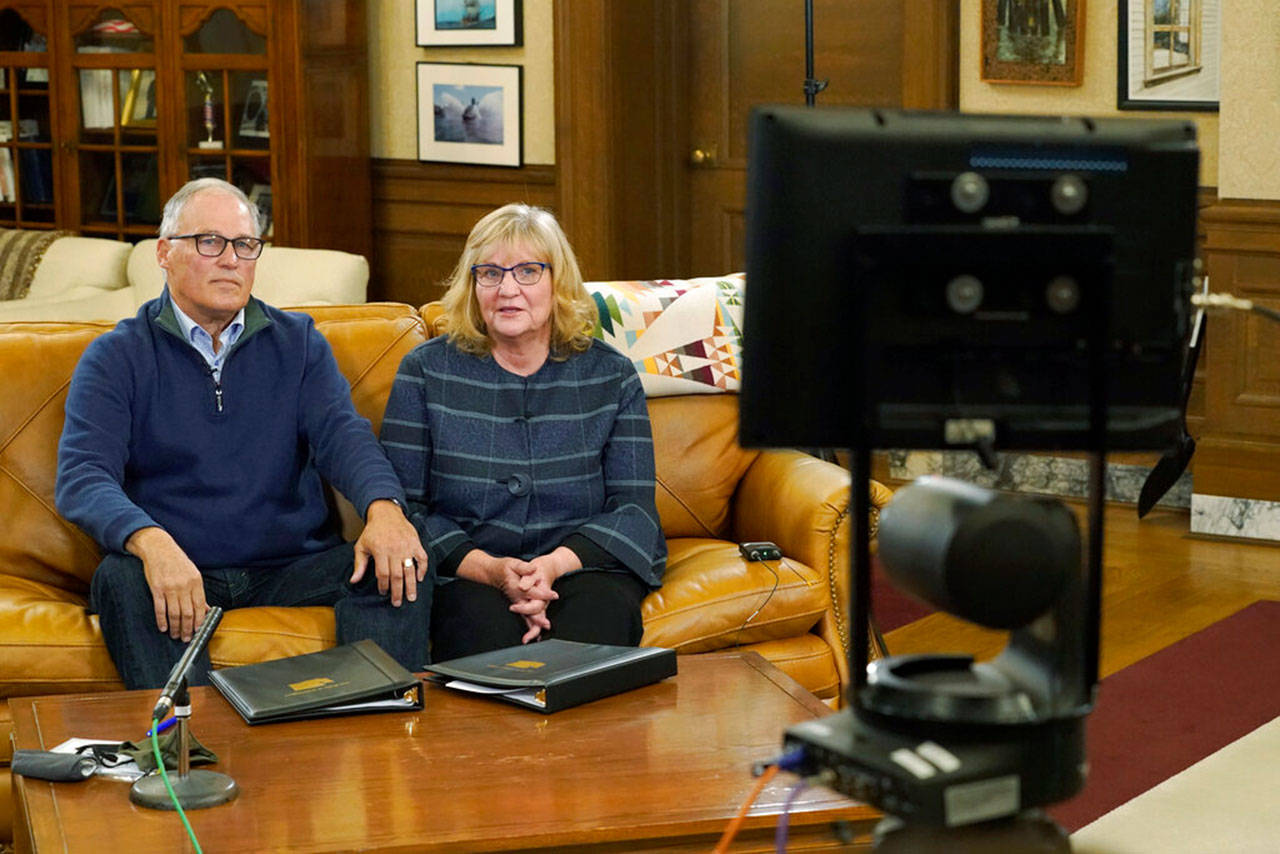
[(935, 280)]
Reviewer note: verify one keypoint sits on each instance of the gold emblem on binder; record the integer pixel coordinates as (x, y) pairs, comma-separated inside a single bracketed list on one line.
[(308, 684)]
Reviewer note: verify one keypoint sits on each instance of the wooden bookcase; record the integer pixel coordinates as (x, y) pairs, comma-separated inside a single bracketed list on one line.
[(107, 108)]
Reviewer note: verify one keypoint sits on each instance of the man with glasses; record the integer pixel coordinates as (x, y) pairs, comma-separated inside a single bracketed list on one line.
[(197, 435)]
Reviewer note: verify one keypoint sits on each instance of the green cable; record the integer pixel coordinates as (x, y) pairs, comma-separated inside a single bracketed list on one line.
[(164, 775)]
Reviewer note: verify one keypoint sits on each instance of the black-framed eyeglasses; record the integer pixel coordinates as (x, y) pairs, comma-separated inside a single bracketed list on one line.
[(525, 273), (212, 245)]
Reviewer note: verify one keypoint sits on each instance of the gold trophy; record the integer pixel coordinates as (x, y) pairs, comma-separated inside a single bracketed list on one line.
[(202, 80)]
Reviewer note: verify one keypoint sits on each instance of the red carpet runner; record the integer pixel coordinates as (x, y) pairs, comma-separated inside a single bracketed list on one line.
[(1168, 711)]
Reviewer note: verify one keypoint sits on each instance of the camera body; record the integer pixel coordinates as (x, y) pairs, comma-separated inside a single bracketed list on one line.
[(940, 280)]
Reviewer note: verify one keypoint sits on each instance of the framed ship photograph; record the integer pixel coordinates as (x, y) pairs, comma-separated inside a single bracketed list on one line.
[(469, 113), (469, 23)]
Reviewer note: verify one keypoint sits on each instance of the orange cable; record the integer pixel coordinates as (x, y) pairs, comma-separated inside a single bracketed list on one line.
[(732, 830)]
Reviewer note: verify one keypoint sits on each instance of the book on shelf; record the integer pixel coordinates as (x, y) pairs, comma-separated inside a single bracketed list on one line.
[(345, 680), (97, 107), (37, 165), (555, 674), (8, 193), (37, 175), (8, 190)]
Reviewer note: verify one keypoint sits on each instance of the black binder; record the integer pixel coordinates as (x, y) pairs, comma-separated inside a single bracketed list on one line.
[(555, 674), (345, 680)]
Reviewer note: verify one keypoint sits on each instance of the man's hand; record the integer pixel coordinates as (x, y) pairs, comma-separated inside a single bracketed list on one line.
[(391, 542), (177, 588)]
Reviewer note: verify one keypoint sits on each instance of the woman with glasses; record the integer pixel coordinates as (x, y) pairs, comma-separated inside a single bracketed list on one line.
[(523, 445)]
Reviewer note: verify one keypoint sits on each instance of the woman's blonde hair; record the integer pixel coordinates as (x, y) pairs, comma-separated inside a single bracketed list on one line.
[(573, 311)]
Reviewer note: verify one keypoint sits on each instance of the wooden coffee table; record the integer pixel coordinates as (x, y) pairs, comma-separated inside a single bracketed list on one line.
[(661, 768)]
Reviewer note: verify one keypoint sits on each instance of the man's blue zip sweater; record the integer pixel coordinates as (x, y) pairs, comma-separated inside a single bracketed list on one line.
[(232, 470)]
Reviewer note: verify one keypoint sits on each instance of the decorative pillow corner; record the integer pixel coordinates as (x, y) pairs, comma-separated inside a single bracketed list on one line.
[(21, 252), (683, 335)]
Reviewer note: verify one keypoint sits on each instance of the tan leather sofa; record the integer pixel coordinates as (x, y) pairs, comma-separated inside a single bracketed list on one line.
[(711, 494)]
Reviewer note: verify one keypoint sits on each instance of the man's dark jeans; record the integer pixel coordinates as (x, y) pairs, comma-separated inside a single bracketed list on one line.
[(144, 655)]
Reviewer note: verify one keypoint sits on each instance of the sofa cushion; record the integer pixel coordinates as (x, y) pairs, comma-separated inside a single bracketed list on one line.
[(711, 598), (35, 542), (285, 276), (683, 335), (75, 262), (83, 302), (698, 462), (50, 643)]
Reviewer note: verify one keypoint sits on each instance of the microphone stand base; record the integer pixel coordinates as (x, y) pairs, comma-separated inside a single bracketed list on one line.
[(197, 790)]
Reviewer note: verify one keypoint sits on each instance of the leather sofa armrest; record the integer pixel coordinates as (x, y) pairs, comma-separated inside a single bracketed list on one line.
[(802, 503), (795, 500)]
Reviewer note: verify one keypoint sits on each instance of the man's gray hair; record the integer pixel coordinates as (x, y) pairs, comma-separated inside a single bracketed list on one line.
[(178, 201)]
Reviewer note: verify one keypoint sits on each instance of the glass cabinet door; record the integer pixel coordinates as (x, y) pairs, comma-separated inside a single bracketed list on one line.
[(26, 126), (227, 106), (119, 104)]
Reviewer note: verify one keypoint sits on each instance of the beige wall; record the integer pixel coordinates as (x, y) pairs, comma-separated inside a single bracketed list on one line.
[(1250, 120), (393, 58), (1096, 96)]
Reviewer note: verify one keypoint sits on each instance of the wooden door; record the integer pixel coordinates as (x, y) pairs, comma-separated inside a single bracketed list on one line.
[(747, 52), (644, 84)]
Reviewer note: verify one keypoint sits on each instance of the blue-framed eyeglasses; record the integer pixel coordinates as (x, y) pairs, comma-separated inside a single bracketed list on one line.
[(525, 273), (213, 245)]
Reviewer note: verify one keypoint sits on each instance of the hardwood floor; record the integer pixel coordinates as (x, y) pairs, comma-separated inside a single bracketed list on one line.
[(1160, 584)]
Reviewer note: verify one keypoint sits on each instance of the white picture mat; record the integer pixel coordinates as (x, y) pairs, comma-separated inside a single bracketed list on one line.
[(432, 74), (503, 34)]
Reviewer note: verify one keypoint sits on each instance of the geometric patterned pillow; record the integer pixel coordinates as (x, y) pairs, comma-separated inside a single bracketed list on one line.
[(683, 335)]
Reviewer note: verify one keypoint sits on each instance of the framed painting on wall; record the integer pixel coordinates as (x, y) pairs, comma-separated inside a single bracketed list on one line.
[(1169, 54), (1033, 41), (470, 113), (469, 23)]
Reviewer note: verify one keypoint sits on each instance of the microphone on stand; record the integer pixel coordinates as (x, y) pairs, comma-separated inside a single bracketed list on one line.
[(192, 789), (179, 672)]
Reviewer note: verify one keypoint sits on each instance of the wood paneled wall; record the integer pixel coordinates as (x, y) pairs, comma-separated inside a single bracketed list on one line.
[(615, 185), (1238, 445), (422, 213), (622, 184)]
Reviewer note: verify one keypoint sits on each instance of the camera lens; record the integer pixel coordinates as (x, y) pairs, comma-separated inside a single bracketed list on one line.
[(969, 192), (1068, 195), (964, 294)]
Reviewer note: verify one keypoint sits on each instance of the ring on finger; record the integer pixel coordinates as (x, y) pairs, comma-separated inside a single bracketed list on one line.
[(408, 563)]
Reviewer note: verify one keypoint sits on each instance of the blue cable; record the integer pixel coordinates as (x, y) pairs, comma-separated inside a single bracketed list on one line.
[(784, 820)]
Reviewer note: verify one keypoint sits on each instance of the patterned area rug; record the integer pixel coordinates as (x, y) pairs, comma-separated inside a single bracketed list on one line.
[(1168, 711)]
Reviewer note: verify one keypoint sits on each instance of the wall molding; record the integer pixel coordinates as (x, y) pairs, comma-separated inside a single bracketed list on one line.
[(423, 212)]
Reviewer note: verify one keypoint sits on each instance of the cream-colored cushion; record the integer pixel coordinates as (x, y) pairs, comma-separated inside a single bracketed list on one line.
[(285, 276), (75, 262), (78, 303)]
